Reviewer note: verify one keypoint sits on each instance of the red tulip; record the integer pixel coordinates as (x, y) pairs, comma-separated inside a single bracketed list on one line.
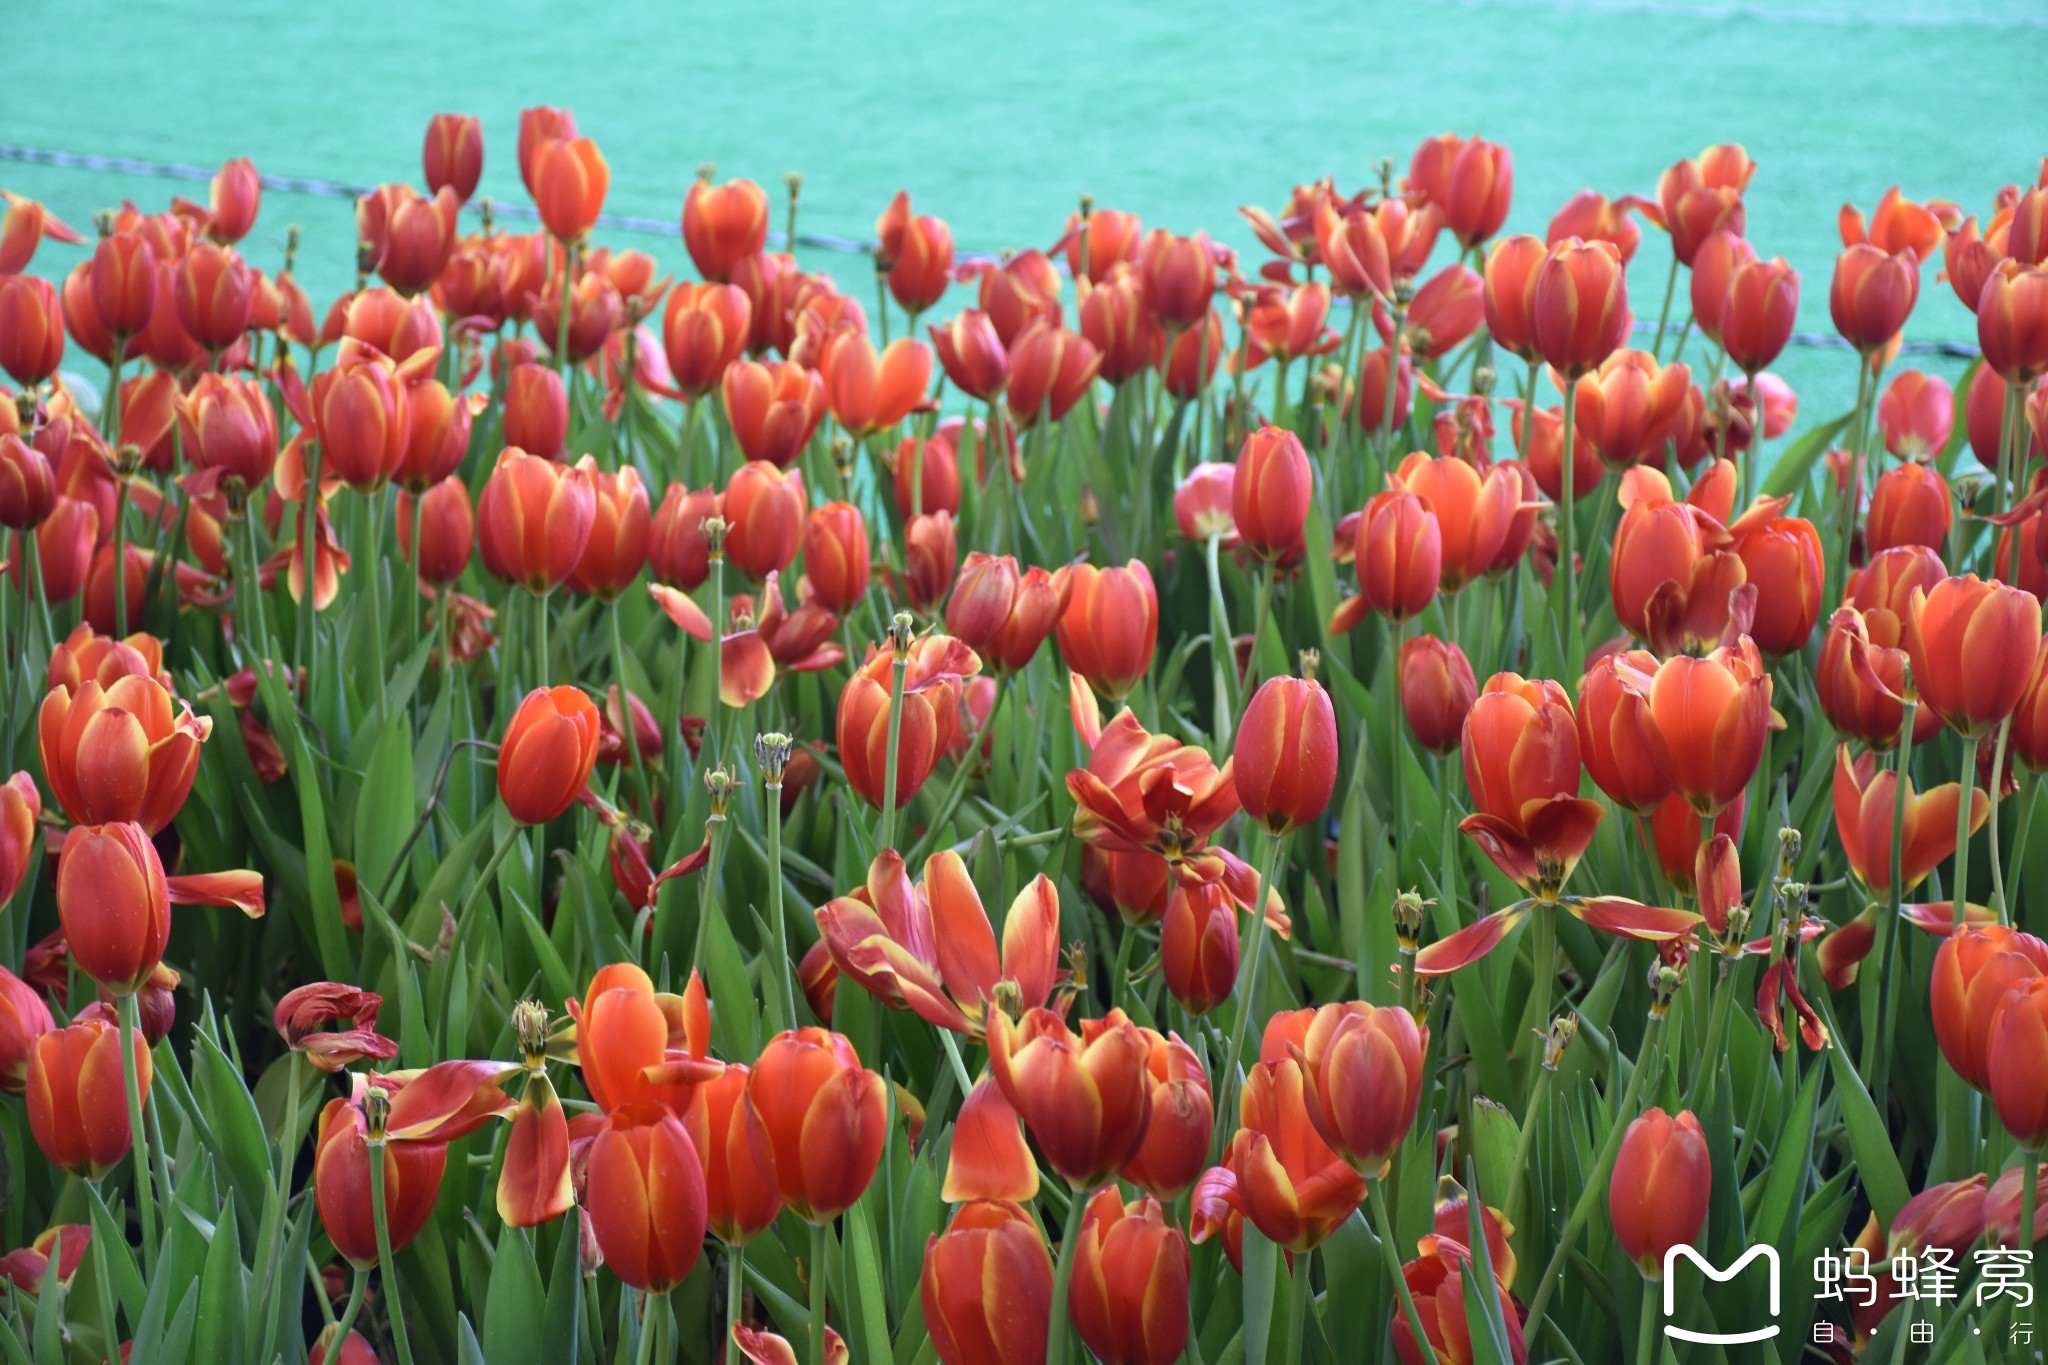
[(123, 276), (535, 518), (28, 488), (1782, 556), (868, 392), (1909, 505), (1470, 179), (1521, 759), (1511, 268), (723, 225), (31, 328), (1270, 492), (1973, 970), (213, 291), (1473, 512), (740, 1198), (23, 1019), (453, 154), (1436, 1283), (1871, 295), (2012, 321), (774, 409), (644, 1194), (1962, 637), (1179, 275), (1617, 735), (1704, 195), (2018, 1050), (972, 354), (1593, 216), (1658, 1193), (1110, 625), (1916, 414), (1083, 1096), (1050, 370), (1277, 1173), (1362, 1073), (1580, 306), (1020, 293), (1198, 951), (1129, 1294), (1399, 552), (1285, 758), (568, 177)]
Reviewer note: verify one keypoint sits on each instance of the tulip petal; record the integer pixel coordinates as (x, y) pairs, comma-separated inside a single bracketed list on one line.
[(1632, 919), (679, 608), (534, 1186), (989, 1159), (1471, 943), (962, 937), (242, 890)]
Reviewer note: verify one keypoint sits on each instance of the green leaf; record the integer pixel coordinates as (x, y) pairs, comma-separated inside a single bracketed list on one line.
[(1261, 1270), (239, 1141), (560, 1322), (1789, 470), (870, 1338), (515, 1306), (223, 1294), (384, 806), (1883, 1178)]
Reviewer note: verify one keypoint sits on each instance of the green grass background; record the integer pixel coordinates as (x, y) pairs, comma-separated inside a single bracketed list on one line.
[(997, 116)]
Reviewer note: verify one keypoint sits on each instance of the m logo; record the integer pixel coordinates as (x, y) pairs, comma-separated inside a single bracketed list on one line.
[(1671, 1258)]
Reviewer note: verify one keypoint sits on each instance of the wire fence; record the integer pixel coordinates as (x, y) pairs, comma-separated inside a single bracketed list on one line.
[(319, 188)]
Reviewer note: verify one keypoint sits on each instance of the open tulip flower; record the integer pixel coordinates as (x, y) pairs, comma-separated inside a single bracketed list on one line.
[(1155, 743)]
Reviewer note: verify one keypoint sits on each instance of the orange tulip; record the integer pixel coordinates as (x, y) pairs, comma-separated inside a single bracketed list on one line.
[(986, 1287), (2012, 321), (447, 531), (1020, 293), (1084, 1097), (1658, 1193), (363, 416), (1473, 512), (2017, 1052), (453, 154), (535, 519), (1198, 951), (869, 392), (1285, 757), (704, 331), (1580, 306), (1674, 578), (2029, 737), (1436, 1283), (1511, 268), (1448, 307), (549, 748), (1129, 1295), (922, 267), (568, 178), (1192, 358), (1270, 491), (836, 556), (1470, 180), (1973, 970), (972, 354), (1702, 196), (1861, 676), (930, 948), (930, 547), (740, 1199), (1050, 370), (341, 1184), (237, 193), (1176, 1142), (1627, 407), (723, 225), (931, 709), (1521, 758), (764, 513), (536, 410), (1277, 1172), (408, 238), (1362, 1077), (1916, 414), (641, 1047), (1179, 275), (1437, 691), (213, 293), (23, 1019), (773, 408), (1909, 505), (1782, 557), (74, 1080), (1110, 625), (817, 1121), (1711, 715), (644, 1195), (1112, 238), (129, 751), (1617, 736), (1864, 798), (437, 438), (1871, 295), (1593, 216), (927, 476), (1962, 636), (1355, 250), (1286, 323), (31, 329)]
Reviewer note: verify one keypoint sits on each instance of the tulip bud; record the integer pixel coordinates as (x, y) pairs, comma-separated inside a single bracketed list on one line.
[(723, 225), (1399, 552), (74, 1076), (1973, 971), (1580, 305), (764, 507), (1285, 756), (1110, 626), (644, 1190), (546, 757), (1657, 1196), (2012, 320), (447, 531), (1756, 319), (31, 329), (23, 1019), (568, 178), (617, 547), (350, 1137), (1362, 1073), (817, 1121), (1270, 492), (1198, 950), (28, 488), (1871, 295), (986, 1287), (536, 410), (1617, 737), (1129, 1294), (213, 292), (1962, 638)]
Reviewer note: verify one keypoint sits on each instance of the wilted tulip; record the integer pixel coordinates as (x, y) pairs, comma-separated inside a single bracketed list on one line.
[(1436, 1283), (1864, 800), (1277, 1173), (341, 1183)]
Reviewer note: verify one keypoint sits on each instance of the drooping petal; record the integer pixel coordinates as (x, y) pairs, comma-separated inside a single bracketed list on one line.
[(1632, 919), (989, 1159), (1471, 943)]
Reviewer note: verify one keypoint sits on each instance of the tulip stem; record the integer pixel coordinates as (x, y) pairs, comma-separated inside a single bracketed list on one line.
[(120, 558), (1646, 1327), (303, 636), (1525, 1145), (817, 1274), (1964, 806), (640, 782), (888, 793), (348, 1314), (735, 1290), (952, 1046), (1264, 609), (1391, 397), (1253, 957), (2030, 1178), (1390, 1250), (1223, 664), (540, 645), (2029, 784), (562, 322), (1596, 1181), (1568, 538), (1664, 313), (1297, 1306), (785, 1013), (145, 1199), (419, 508), (712, 741), (1998, 901), (1846, 509), (1058, 1325), (483, 882), (394, 1305), (1878, 1038), (1542, 968)]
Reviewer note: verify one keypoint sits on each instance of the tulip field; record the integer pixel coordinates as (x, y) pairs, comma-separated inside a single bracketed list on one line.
[(1392, 796)]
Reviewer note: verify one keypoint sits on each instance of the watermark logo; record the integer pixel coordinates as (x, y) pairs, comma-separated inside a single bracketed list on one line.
[(1769, 1256)]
